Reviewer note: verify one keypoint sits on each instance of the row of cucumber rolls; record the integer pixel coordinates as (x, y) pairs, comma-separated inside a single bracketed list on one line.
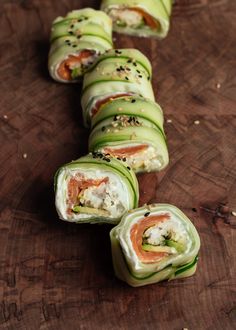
[(82, 35), (118, 104), (152, 243)]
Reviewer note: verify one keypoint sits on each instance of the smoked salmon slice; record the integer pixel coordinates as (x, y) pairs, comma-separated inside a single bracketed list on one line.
[(149, 20), (136, 236), (103, 101), (65, 68), (128, 151)]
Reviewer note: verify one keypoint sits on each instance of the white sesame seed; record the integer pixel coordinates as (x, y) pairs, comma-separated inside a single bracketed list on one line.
[(233, 213), (169, 121), (25, 155), (196, 122)]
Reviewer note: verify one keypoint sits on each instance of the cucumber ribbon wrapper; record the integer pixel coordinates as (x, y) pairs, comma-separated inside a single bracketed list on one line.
[(116, 71), (76, 40), (95, 188), (154, 243), (145, 18), (131, 127)]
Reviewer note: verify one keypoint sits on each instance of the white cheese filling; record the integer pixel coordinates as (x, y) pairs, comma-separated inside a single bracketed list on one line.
[(127, 17), (112, 196), (144, 160)]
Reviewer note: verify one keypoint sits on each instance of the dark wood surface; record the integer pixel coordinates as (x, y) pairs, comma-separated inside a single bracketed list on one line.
[(55, 275)]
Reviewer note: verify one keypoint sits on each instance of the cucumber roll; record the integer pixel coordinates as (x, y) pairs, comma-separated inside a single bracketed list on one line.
[(95, 189), (120, 72), (154, 243), (131, 128), (76, 41), (145, 18)]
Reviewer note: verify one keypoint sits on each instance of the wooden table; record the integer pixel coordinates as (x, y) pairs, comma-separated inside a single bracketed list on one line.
[(55, 275)]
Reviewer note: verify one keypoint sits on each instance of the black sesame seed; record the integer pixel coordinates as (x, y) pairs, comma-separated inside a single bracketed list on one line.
[(124, 159), (70, 32), (146, 214), (148, 78), (103, 128), (118, 158), (129, 61), (117, 69), (126, 78), (140, 76), (138, 71), (128, 69), (80, 20), (74, 46), (133, 101), (128, 168), (194, 209), (115, 118), (108, 160), (72, 26), (86, 18), (135, 64), (78, 37)]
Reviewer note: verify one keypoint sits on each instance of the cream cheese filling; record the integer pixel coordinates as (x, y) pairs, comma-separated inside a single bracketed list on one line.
[(112, 196)]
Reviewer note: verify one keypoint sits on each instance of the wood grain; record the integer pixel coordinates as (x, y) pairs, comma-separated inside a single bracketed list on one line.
[(55, 275)]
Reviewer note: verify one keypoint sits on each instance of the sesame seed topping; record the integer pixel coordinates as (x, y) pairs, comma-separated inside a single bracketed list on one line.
[(128, 168), (133, 101), (103, 128), (126, 78), (146, 214)]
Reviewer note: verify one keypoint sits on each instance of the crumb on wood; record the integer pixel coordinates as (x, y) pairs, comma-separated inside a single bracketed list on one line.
[(169, 120), (196, 122), (24, 155)]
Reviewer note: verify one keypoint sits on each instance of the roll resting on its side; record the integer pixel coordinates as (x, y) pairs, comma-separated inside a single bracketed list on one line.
[(95, 188), (154, 243), (120, 72), (145, 18), (131, 127), (76, 41)]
